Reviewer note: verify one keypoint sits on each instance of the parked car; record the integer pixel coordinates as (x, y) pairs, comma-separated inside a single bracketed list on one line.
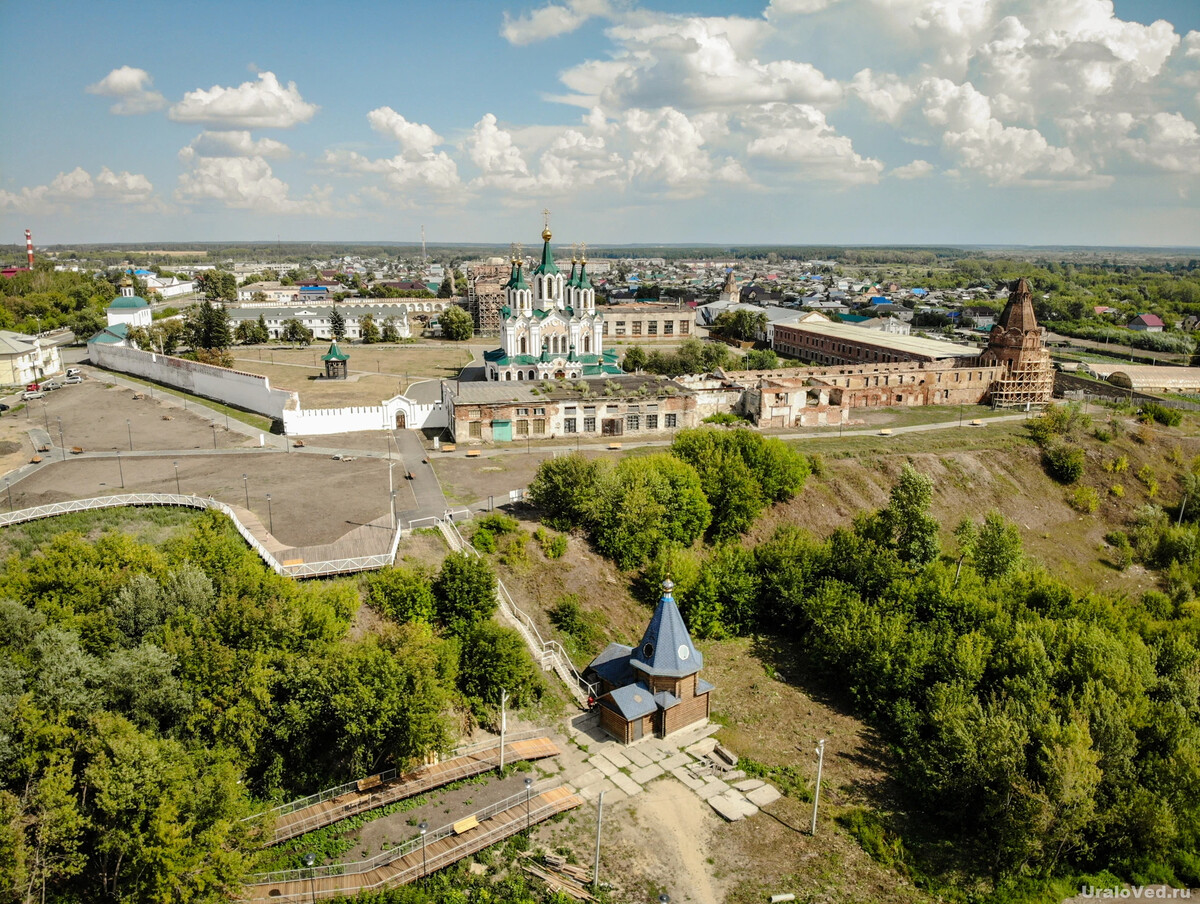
[(3, 407), (74, 372), (30, 394), (72, 380), (51, 385)]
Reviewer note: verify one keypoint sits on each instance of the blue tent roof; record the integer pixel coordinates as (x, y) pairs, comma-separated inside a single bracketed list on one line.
[(632, 701), (666, 647), (612, 664), (879, 299)]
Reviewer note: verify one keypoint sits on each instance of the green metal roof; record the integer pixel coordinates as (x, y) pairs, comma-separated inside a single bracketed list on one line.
[(547, 266), (518, 280), (582, 281), (128, 302), (118, 332), (334, 354)]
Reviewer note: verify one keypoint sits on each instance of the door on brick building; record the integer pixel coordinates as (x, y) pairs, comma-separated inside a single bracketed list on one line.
[(400, 420)]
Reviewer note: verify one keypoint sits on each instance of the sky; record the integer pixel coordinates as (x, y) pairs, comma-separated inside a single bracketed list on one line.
[(1028, 122)]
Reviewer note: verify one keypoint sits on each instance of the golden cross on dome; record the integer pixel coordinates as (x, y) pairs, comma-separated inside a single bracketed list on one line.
[(583, 245)]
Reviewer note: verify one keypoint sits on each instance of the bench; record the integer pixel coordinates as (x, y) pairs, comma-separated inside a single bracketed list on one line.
[(614, 446), (886, 431), (472, 453), (465, 825), (298, 444), (371, 781), (448, 447), (977, 423), (77, 450)]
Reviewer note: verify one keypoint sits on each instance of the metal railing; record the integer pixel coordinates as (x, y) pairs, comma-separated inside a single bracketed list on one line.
[(347, 565), (551, 654), (409, 847), (377, 796)]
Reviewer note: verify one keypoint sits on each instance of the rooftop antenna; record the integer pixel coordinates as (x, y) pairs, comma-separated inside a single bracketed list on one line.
[(422, 243)]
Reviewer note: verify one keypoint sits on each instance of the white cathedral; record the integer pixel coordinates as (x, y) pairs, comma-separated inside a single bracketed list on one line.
[(550, 331)]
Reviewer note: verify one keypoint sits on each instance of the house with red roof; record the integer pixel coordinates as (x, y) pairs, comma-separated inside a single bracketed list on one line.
[(1148, 323)]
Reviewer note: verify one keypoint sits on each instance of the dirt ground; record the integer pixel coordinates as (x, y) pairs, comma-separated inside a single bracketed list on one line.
[(313, 498), (376, 372)]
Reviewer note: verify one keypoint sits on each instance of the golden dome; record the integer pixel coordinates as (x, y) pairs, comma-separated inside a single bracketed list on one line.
[(546, 234)]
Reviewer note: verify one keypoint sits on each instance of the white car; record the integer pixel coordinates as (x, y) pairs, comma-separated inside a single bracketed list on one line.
[(72, 380), (30, 394)]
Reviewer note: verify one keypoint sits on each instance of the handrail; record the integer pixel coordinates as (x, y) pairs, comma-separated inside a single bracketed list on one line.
[(347, 565), (385, 857)]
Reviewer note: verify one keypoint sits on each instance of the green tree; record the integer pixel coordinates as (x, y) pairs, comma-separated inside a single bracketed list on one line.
[(337, 324), (563, 488), (997, 549), (456, 324), (206, 325), (905, 524), (644, 503), (635, 359), (367, 329), (296, 333), (390, 331), (465, 592), (446, 289), (218, 285), (760, 359), (495, 657), (402, 594)]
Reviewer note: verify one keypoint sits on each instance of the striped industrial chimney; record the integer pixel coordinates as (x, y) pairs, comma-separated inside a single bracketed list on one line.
[(29, 247)]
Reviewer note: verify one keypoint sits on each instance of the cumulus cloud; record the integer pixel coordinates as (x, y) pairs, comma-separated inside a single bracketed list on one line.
[(918, 169), (264, 104), (248, 183), (233, 144), (79, 185), (132, 88), (551, 20), (694, 64), (669, 151), (493, 150), (799, 136), (412, 136), (887, 96)]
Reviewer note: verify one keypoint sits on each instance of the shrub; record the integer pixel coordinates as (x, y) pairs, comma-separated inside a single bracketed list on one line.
[(1102, 434), (1084, 499), (816, 464), (1122, 548), (1064, 462), (513, 552), (498, 523), (582, 629), (1117, 490), (1168, 417), (484, 540), (554, 546), (724, 417)]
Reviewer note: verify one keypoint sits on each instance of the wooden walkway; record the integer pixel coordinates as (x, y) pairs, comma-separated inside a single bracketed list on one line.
[(415, 859), (368, 797)]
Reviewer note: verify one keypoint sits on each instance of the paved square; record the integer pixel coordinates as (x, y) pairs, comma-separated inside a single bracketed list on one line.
[(646, 774), (637, 758), (674, 762), (626, 784), (601, 763)]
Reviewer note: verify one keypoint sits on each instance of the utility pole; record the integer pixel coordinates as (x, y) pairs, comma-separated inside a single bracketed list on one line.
[(599, 822), (817, 794), (503, 726)]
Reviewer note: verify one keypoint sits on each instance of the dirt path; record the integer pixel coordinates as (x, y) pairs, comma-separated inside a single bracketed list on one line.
[(676, 827)]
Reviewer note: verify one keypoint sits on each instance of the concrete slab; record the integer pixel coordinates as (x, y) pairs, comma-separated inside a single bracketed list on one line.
[(674, 762), (592, 791), (760, 797), (626, 784), (736, 802), (617, 758), (711, 789), (728, 808), (647, 773), (588, 778), (602, 763), (687, 778), (734, 775), (636, 757), (749, 784), (702, 748), (655, 752)]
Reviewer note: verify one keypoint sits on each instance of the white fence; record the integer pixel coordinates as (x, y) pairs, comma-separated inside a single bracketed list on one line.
[(348, 565)]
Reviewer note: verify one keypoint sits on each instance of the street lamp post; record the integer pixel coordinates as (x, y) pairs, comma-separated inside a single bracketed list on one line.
[(528, 786), (62, 443), (246, 487), (214, 430), (270, 514), (178, 492), (309, 860), (46, 413), (817, 793), (121, 469), (129, 430), (424, 827)]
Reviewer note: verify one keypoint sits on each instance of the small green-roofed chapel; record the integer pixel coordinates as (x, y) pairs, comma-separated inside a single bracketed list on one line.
[(337, 362)]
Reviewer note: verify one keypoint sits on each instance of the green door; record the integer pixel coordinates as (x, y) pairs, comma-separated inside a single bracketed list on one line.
[(502, 431)]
